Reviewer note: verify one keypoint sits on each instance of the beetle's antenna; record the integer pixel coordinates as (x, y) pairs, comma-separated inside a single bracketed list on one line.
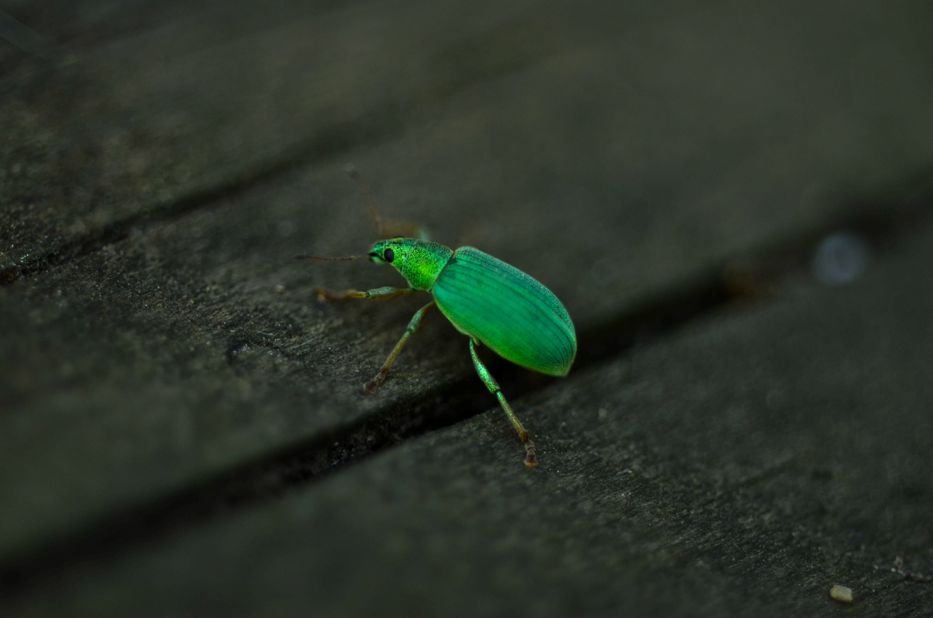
[(327, 258), (372, 205), (384, 229)]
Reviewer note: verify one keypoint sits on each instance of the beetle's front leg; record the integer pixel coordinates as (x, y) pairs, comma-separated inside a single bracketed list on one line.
[(380, 377), (384, 293)]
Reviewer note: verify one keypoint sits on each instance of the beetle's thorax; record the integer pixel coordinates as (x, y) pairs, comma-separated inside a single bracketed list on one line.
[(419, 261)]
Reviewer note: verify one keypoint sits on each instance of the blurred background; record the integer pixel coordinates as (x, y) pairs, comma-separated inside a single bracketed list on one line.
[(731, 201)]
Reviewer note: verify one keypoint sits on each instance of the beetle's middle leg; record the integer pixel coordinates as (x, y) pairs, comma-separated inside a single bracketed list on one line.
[(384, 293), (531, 456), (380, 377)]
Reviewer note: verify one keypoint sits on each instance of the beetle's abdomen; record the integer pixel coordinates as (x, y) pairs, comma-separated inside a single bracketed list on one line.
[(507, 310)]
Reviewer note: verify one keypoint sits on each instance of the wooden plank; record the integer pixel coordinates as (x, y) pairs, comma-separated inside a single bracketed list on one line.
[(71, 26), (39, 37), (742, 466), (139, 125), (610, 170), (150, 123)]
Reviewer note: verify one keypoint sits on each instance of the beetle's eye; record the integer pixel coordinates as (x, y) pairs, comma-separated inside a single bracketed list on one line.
[(389, 255)]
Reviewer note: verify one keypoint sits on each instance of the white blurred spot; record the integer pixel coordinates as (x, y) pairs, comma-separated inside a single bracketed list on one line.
[(839, 259)]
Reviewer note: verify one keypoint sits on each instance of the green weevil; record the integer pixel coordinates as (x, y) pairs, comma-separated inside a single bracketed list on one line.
[(491, 302)]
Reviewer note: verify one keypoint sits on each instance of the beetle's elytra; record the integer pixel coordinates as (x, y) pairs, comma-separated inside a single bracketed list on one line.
[(491, 302)]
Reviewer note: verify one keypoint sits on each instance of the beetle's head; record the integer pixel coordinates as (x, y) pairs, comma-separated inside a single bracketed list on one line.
[(383, 251), (419, 261)]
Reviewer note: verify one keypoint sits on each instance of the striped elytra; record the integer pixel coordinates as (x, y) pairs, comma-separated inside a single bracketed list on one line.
[(506, 310)]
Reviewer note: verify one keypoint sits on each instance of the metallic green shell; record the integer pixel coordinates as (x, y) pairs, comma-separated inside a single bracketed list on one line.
[(506, 310)]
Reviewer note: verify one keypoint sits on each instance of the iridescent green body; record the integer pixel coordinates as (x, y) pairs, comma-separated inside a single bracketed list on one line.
[(491, 302), (509, 312), (505, 309)]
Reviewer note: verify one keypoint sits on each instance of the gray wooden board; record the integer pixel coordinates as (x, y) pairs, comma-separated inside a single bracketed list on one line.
[(609, 170), (50, 31), (741, 467), (140, 124), (86, 25)]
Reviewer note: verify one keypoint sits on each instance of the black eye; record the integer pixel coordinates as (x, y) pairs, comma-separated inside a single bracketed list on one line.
[(389, 255)]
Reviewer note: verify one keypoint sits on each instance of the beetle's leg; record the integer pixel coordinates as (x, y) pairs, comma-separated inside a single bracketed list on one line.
[(531, 457), (385, 293), (380, 377)]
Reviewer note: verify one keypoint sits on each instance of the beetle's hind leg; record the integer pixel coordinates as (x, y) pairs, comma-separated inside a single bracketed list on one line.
[(380, 377), (531, 455)]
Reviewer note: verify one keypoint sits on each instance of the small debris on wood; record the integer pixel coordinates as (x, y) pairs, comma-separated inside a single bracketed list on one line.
[(843, 594)]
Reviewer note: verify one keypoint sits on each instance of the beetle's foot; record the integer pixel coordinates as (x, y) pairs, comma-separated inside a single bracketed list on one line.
[(531, 455), (375, 383), (322, 295)]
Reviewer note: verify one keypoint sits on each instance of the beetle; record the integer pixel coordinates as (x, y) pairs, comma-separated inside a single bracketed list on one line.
[(490, 301)]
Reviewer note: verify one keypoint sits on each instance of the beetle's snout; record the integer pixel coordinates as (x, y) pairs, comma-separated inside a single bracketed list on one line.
[(375, 257)]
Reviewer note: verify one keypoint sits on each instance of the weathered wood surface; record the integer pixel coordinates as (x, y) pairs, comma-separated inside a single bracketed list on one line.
[(739, 468), (159, 170)]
